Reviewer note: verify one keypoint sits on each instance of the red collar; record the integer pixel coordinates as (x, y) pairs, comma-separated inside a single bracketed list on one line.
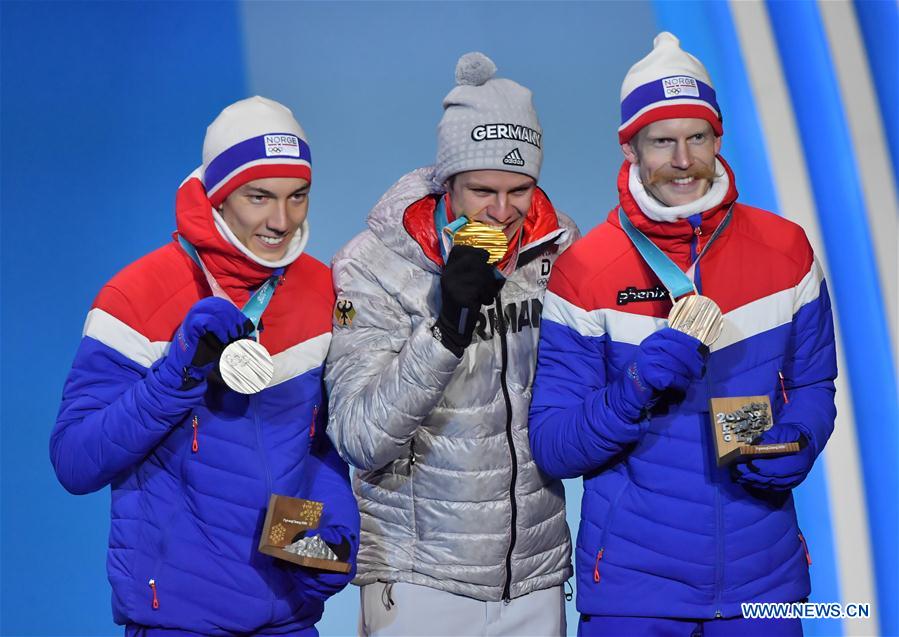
[(675, 237), (229, 266), (418, 220)]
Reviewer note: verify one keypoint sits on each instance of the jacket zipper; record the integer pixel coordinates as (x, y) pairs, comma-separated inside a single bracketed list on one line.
[(694, 249), (152, 584), (719, 511), (719, 546), (195, 445), (261, 448), (314, 418), (501, 322), (599, 554), (719, 516), (268, 476), (808, 556), (605, 531), (783, 387)]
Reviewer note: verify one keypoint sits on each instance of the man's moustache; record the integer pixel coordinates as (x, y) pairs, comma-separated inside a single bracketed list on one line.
[(666, 174)]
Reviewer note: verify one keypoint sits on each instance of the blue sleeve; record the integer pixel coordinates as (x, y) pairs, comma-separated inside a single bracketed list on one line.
[(572, 429), (114, 412), (809, 371)]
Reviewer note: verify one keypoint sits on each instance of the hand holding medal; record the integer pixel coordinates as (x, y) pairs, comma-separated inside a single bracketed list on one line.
[(207, 328), (245, 365), (470, 279)]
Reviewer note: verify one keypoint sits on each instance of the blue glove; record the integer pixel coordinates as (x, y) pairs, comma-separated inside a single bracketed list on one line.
[(210, 325), (666, 360), (780, 473), (320, 584)]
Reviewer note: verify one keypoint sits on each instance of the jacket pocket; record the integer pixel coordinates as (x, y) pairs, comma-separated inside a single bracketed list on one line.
[(603, 538), (154, 603), (195, 444), (782, 387), (808, 556), (167, 556), (152, 584), (312, 424), (596, 575)]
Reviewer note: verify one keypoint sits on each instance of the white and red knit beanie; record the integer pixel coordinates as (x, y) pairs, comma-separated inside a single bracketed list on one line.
[(668, 83), (255, 138)]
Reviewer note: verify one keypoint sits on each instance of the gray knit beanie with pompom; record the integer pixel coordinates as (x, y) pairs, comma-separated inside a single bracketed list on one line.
[(488, 123)]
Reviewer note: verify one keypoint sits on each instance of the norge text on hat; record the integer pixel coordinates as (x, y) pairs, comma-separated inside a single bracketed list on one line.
[(255, 138)]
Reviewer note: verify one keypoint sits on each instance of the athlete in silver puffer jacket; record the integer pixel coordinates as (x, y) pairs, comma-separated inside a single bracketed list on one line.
[(435, 421), (433, 436)]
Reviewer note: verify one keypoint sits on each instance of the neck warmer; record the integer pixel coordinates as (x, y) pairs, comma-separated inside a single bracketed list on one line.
[(294, 250), (657, 211)]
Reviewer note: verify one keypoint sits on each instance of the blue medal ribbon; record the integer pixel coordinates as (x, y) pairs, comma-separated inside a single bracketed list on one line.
[(445, 229), (257, 303)]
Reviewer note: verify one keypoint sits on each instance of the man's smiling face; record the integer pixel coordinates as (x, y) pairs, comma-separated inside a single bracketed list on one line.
[(676, 158), (265, 214)]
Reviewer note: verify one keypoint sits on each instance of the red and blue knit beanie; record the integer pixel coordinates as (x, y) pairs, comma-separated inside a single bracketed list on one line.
[(669, 83), (255, 138)]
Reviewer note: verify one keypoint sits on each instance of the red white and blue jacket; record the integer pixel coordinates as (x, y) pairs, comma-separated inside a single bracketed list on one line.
[(664, 532), (190, 477)]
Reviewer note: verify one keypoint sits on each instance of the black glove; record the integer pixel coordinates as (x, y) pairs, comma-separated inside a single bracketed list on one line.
[(468, 282), (210, 325)]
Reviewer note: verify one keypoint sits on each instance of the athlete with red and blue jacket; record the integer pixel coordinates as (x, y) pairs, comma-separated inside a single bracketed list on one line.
[(669, 543), (191, 462)]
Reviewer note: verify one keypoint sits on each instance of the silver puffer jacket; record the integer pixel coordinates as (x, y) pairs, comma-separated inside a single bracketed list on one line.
[(449, 494)]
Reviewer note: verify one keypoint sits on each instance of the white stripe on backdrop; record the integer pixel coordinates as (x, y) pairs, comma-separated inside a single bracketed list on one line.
[(791, 182), (869, 144)]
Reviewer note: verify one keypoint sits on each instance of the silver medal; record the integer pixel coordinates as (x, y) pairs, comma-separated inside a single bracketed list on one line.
[(246, 366), (699, 316)]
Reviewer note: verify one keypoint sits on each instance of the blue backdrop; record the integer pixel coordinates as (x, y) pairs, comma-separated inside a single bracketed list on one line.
[(104, 108)]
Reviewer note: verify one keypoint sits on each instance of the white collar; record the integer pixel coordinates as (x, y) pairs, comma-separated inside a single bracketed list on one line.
[(657, 211), (294, 250)]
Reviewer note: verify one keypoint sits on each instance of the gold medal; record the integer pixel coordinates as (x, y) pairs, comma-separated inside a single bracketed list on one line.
[(699, 316), (480, 235)]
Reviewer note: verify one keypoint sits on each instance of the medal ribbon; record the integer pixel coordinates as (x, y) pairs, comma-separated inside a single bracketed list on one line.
[(672, 277), (257, 303), (445, 229)]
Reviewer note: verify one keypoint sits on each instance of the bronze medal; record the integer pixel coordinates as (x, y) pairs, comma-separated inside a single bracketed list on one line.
[(699, 316)]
